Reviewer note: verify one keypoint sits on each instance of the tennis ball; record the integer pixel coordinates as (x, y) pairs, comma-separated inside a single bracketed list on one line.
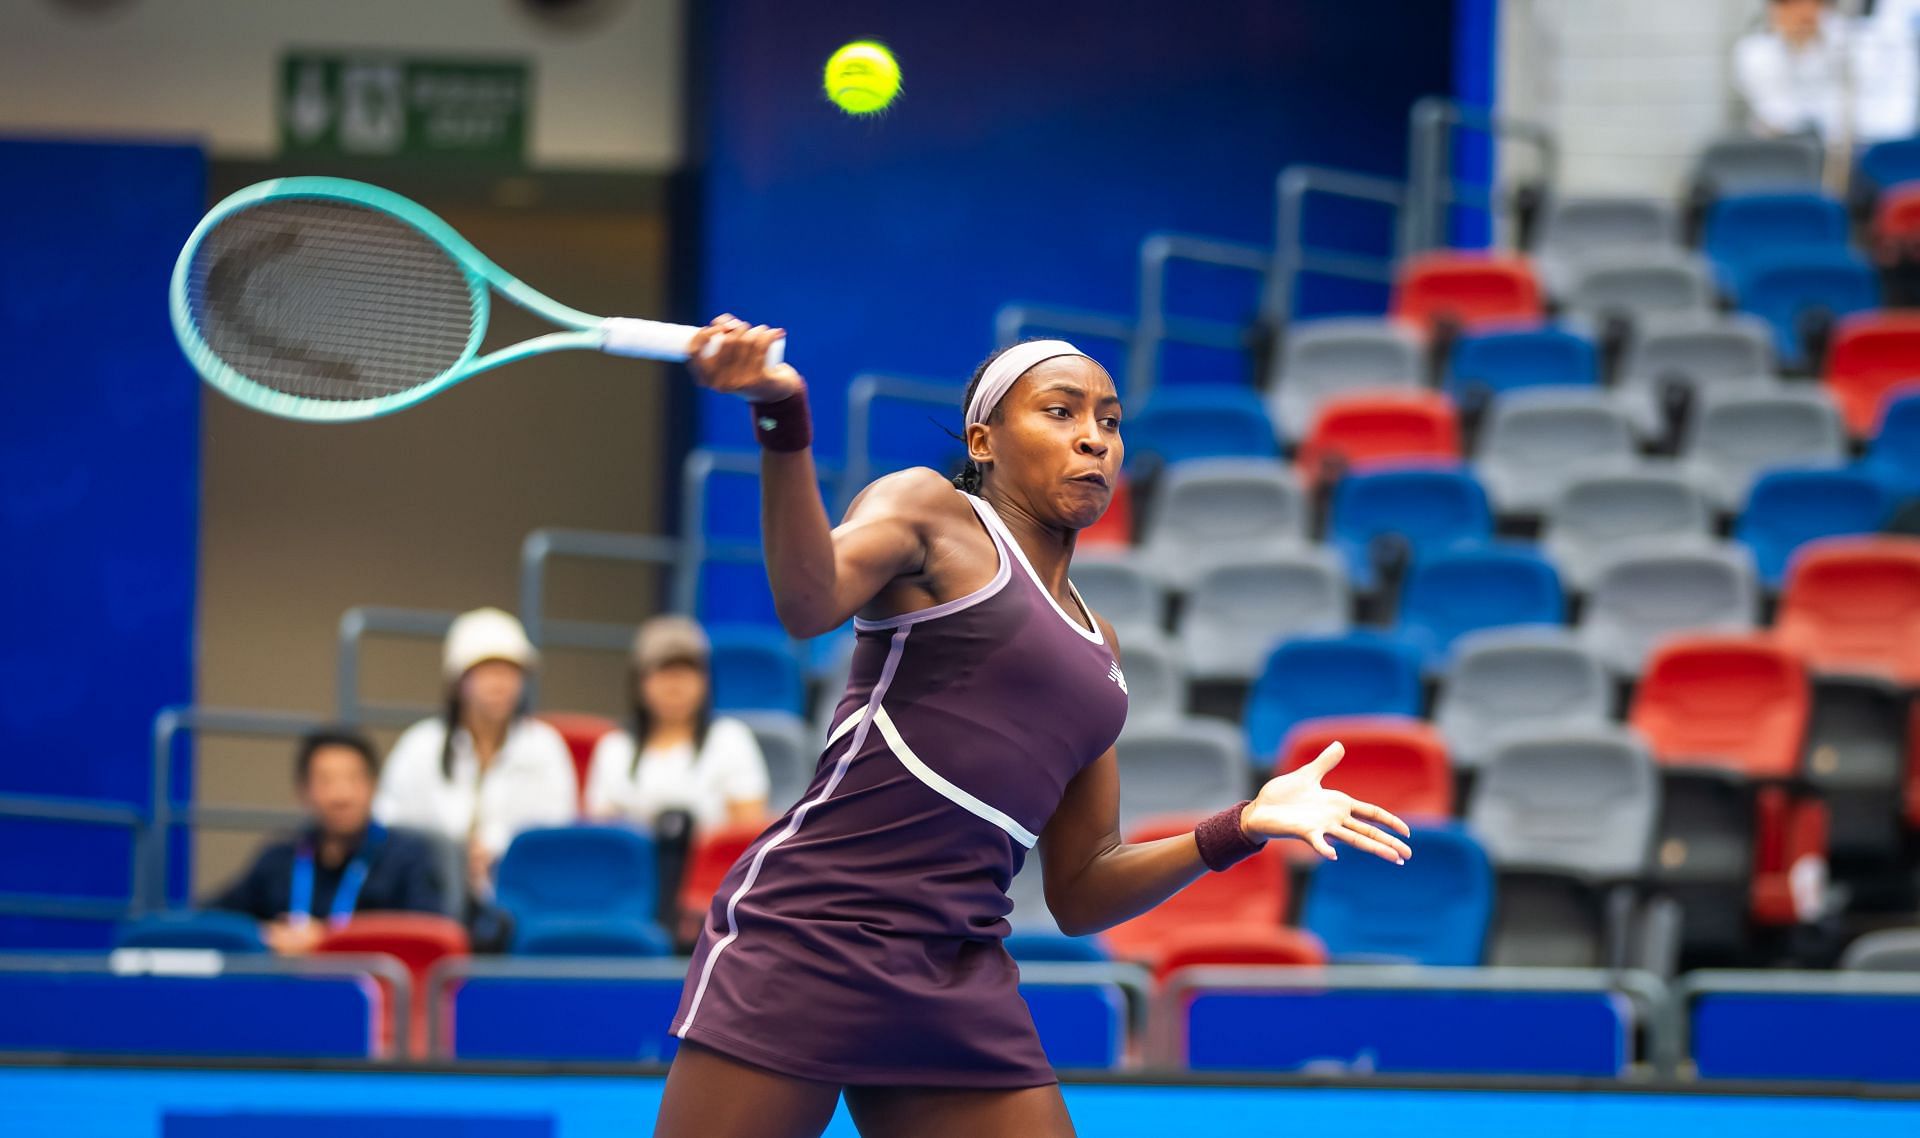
[(862, 78)]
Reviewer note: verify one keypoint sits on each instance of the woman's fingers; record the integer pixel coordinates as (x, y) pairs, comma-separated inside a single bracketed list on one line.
[(1400, 849), (1384, 817), (1361, 841), (1318, 840)]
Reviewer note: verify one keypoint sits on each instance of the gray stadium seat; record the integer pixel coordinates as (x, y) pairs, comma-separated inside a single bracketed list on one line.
[(1156, 689), (1536, 440), (1325, 358), (1655, 590), (1584, 802), (1733, 436), (1575, 229), (1190, 765), (1122, 588), (1599, 514), (1885, 950), (1506, 682), (1206, 509), (1641, 283), (1705, 352), (1742, 164), (1239, 609), (787, 743)]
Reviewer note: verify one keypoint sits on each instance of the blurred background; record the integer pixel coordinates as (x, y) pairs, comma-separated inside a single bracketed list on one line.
[(1515, 390)]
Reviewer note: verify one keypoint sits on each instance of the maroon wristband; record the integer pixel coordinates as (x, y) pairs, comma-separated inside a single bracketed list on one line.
[(1222, 842), (785, 424)]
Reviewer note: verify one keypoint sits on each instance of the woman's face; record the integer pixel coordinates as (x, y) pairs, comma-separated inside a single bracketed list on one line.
[(673, 693), (490, 691), (1054, 441)]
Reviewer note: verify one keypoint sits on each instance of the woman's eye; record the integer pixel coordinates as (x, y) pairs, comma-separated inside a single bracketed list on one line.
[(1060, 412), (1110, 424)]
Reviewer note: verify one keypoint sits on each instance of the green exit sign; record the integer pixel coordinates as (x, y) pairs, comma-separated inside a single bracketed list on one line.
[(382, 106)]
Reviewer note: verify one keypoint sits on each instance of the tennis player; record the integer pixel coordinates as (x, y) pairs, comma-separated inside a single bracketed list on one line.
[(856, 946)]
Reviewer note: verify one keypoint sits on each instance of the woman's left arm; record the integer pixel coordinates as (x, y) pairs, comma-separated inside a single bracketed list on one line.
[(1095, 880)]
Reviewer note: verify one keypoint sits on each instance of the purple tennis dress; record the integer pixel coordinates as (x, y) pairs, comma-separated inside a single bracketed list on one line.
[(857, 941)]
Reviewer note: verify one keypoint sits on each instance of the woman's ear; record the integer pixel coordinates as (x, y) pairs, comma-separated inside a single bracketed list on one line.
[(979, 446)]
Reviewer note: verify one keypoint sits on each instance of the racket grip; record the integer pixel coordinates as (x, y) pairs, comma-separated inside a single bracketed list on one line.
[(657, 340)]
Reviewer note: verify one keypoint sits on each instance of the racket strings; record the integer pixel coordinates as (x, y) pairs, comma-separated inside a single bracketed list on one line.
[(328, 300)]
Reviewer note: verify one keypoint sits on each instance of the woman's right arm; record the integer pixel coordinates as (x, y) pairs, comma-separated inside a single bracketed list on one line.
[(820, 575)]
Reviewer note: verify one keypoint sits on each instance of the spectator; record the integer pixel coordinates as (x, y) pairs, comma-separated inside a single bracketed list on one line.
[(343, 863), (1802, 71), (484, 770), (687, 759)]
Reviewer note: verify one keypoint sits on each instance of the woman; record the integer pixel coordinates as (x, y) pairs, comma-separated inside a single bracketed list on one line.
[(686, 759), (856, 945), (483, 771)]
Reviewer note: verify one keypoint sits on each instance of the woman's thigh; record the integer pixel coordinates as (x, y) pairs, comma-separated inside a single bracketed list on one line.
[(710, 1095), (944, 1112)]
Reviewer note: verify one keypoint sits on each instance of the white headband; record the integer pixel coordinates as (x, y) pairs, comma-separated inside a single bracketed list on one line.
[(1010, 365)]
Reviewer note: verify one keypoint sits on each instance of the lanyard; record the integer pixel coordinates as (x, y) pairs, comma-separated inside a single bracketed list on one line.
[(301, 903)]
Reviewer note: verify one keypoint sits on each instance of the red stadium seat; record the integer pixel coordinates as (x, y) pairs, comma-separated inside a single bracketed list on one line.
[(1896, 224), (1251, 894), (1379, 426), (582, 732), (1115, 527), (417, 940), (1392, 761), (1872, 354), (1469, 289), (1852, 605), (713, 854), (1202, 945)]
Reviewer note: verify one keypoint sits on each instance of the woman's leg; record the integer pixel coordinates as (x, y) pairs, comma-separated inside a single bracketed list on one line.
[(946, 1112), (710, 1095)]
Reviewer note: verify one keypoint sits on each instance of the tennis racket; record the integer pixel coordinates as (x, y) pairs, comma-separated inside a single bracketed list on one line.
[(326, 300)]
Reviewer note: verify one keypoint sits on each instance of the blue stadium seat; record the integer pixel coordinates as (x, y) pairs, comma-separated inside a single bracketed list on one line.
[(1362, 673), (1887, 164), (220, 931), (1782, 288), (1036, 947), (1533, 357), (1435, 909), (1457, 591), (590, 936), (1788, 508), (1431, 507), (1893, 455), (756, 668), (1744, 228), (578, 873), (1202, 421)]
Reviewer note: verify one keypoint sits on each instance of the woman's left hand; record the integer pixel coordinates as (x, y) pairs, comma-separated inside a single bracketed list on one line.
[(1295, 805)]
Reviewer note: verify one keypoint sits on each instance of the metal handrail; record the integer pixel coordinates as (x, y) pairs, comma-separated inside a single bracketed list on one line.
[(356, 624), (861, 396), (51, 808), (1156, 326), (1292, 257), (1013, 321), (701, 465), (1432, 188), (541, 546)]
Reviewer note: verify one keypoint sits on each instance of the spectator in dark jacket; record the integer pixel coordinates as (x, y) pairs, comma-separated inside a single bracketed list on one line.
[(343, 862)]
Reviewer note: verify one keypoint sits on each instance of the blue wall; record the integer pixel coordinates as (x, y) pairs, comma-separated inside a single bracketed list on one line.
[(1034, 145), (99, 499)]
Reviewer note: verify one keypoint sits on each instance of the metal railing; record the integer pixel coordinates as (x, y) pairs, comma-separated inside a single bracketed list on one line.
[(1156, 327), (862, 394), (49, 808), (1433, 190), (362, 621), (542, 546)]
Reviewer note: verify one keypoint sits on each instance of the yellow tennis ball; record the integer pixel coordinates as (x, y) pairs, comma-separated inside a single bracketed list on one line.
[(862, 77)]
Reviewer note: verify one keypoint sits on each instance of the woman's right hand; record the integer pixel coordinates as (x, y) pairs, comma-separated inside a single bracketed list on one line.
[(730, 357)]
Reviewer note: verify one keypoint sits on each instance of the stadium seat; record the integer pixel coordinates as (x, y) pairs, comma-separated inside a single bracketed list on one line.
[(1123, 588), (787, 745), (1190, 765), (1355, 432), (1852, 605), (1434, 910), (1240, 609), (1114, 530), (1746, 164), (1320, 359), (1457, 591), (1734, 435), (1896, 225), (1509, 682), (1507, 360), (1893, 454), (1392, 761), (1045, 947), (1197, 421), (755, 667), (1207, 945), (1575, 229), (1884, 950), (1581, 801), (418, 940), (1745, 229), (593, 936), (1638, 284), (1431, 508), (1156, 685), (1551, 920), (1872, 354), (1789, 287), (1471, 290), (210, 929), (577, 873), (1205, 509), (582, 733), (1856, 759), (1787, 508), (713, 854), (1360, 673), (1535, 442), (1645, 595), (1251, 894), (1598, 516), (1697, 350), (1885, 165)]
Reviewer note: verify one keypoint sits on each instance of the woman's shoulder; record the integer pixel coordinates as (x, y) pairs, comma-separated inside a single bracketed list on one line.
[(532, 731), (426, 734), (615, 745), (918, 490)]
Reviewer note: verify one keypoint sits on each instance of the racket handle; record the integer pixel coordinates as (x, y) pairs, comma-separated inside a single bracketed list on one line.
[(656, 340)]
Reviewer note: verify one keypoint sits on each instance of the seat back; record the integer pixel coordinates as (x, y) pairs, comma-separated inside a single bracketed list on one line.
[(1120, 585), (1785, 287), (1179, 423), (1584, 802), (1575, 227), (1852, 604), (1432, 508), (1872, 354), (209, 929), (1510, 359), (1537, 441), (582, 733), (1392, 761), (1451, 593), (1156, 685), (1360, 673), (1745, 163), (1511, 682), (756, 667), (1544, 920), (1641, 283), (1745, 227), (713, 854), (1894, 454), (1788, 508), (1735, 702), (1468, 289), (1598, 515), (1641, 597), (1199, 946), (1884, 950), (578, 871), (1366, 428), (1241, 607), (787, 746), (1700, 349), (1250, 894), (1736, 435), (1189, 765), (1434, 910), (1206, 508), (1324, 358)]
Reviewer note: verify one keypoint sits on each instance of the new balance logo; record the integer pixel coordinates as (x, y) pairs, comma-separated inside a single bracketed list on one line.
[(1114, 674)]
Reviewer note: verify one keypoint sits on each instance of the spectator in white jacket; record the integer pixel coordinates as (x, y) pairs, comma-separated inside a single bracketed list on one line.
[(484, 770), (687, 758), (1811, 70)]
